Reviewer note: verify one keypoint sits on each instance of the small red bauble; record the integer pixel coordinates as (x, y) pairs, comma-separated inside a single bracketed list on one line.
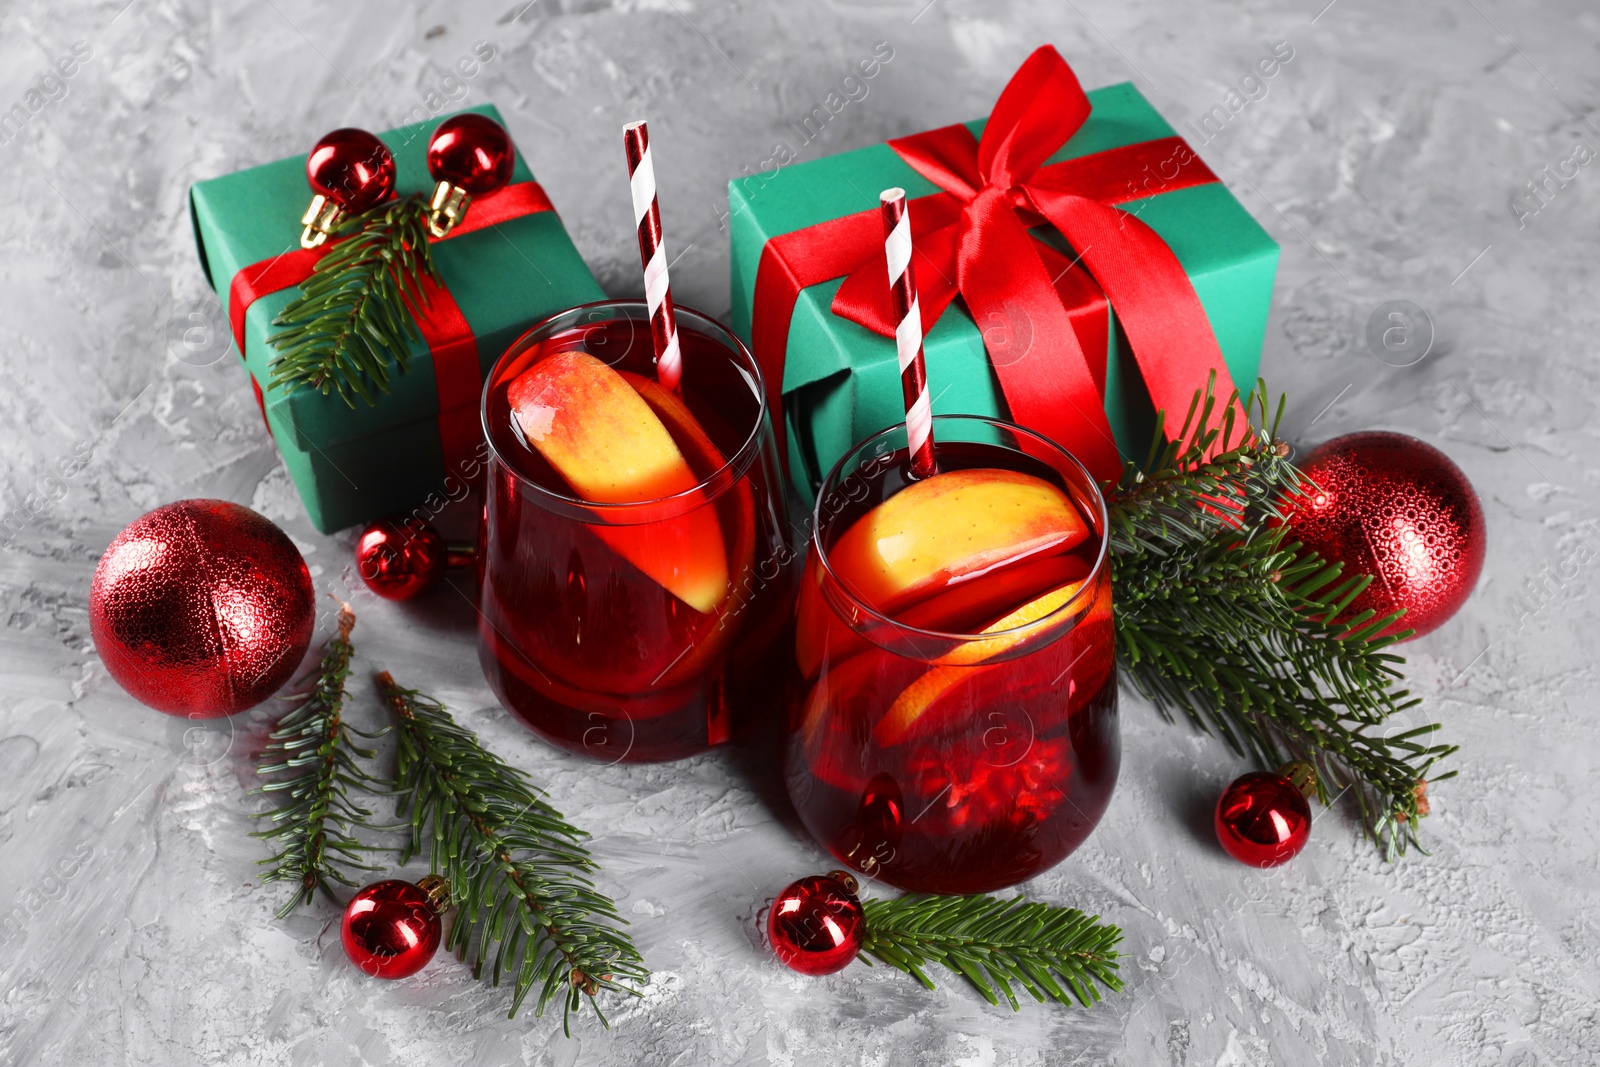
[(816, 925), (472, 152), (469, 155), (391, 929), (201, 608), (350, 171), (399, 560), (1264, 819), (353, 168), (1398, 509)]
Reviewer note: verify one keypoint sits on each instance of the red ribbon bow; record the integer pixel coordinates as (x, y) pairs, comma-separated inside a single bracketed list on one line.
[(1028, 299)]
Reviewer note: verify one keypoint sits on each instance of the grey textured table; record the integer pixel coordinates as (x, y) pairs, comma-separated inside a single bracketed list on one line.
[(1387, 156)]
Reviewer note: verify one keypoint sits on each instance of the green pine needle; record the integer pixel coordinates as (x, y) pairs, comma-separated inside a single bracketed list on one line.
[(356, 315), (1224, 618), (518, 873), (1051, 952), (312, 749)]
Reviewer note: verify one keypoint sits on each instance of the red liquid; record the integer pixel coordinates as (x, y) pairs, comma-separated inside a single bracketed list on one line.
[(1004, 773), (577, 641)]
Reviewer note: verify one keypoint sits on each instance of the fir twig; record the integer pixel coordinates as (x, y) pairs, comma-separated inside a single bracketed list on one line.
[(996, 944), (312, 748), (517, 870), (356, 315), (1224, 618)]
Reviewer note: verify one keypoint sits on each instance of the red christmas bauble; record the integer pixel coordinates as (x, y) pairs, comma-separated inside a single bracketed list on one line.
[(1398, 509), (1263, 819), (391, 929), (816, 925), (473, 152), (398, 561), (201, 608), (353, 168)]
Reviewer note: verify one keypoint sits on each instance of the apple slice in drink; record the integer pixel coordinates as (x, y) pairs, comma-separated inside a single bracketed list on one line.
[(872, 669), (954, 667), (972, 603), (951, 527), (934, 535), (611, 447), (677, 417), (956, 610)]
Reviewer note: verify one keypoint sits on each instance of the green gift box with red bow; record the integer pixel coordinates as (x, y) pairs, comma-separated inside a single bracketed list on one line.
[(507, 265), (1078, 267)]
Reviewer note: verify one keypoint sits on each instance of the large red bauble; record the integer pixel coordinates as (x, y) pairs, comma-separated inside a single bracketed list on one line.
[(817, 925), (1396, 508), (398, 560), (1263, 819), (201, 608), (390, 929), (353, 168), (473, 152)]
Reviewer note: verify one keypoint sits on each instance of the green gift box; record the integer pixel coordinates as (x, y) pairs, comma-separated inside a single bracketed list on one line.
[(841, 382), (353, 464)]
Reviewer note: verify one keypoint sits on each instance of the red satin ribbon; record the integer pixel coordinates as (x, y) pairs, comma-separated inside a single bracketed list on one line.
[(1042, 316), (448, 335)]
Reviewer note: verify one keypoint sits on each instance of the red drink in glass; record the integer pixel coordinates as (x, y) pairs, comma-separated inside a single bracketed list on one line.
[(953, 722), (642, 622)]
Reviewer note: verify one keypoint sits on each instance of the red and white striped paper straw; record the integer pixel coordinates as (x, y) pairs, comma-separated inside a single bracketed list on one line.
[(908, 331), (653, 254)]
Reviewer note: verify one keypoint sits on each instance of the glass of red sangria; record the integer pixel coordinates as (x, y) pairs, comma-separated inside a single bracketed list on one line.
[(634, 571), (953, 720)]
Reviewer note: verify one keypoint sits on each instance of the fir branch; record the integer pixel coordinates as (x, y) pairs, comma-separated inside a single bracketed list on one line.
[(1053, 952), (1221, 616), (357, 312), (312, 747), (517, 869)]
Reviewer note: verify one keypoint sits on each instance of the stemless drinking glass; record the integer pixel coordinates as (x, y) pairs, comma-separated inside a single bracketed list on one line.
[(970, 741), (643, 630)]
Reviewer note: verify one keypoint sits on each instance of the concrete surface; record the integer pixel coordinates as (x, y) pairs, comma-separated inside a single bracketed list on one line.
[(1392, 156)]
